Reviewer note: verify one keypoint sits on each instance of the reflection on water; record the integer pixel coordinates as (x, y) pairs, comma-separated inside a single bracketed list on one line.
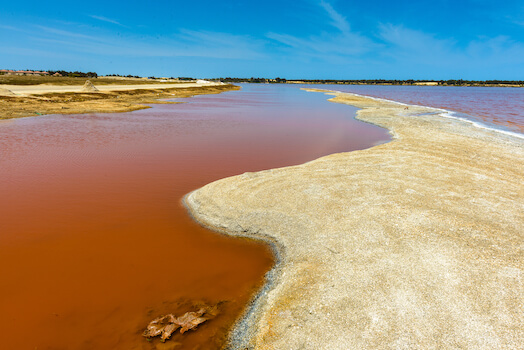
[(94, 240)]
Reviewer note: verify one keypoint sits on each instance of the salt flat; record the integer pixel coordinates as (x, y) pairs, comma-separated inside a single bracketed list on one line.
[(413, 244)]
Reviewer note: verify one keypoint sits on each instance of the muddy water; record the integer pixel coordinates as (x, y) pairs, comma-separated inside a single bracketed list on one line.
[(94, 240)]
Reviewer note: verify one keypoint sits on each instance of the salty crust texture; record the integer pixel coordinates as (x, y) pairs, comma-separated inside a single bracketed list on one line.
[(413, 244)]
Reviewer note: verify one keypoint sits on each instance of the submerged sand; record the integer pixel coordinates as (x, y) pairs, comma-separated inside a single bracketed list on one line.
[(413, 244)]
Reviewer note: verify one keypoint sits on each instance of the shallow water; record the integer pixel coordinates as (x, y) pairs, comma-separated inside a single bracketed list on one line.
[(94, 240), (498, 107)]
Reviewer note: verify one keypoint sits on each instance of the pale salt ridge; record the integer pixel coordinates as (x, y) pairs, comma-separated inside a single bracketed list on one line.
[(443, 113)]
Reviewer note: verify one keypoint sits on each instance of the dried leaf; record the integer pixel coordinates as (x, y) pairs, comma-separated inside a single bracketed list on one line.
[(158, 325), (166, 325), (191, 320), (168, 330)]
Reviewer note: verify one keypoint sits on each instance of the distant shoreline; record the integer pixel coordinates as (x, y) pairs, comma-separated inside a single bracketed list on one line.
[(458, 83), (418, 84)]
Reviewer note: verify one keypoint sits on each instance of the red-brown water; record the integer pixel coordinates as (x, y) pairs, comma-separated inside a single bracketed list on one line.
[(94, 240)]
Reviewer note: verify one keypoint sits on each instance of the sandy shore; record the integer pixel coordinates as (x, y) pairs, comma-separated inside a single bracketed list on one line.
[(413, 244), (30, 100)]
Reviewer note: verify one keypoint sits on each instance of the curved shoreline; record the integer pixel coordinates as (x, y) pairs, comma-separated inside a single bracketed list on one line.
[(246, 205), (241, 336), (237, 338)]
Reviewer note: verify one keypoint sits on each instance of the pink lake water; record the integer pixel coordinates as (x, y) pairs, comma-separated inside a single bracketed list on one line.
[(94, 239), (497, 107)]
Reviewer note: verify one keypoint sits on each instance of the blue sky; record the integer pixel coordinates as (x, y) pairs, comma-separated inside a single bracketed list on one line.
[(313, 39)]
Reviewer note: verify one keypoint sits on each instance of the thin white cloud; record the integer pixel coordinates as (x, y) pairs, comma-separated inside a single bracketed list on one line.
[(213, 44), (348, 44), (515, 17), (217, 39), (337, 46), (185, 43), (338, 21), (10, 28), (108, 20), (500, 49), (24, 51), (68, 33), (413, 41), (445, 56)]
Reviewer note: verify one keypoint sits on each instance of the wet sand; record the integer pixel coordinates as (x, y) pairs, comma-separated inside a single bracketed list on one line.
[(415, 244)]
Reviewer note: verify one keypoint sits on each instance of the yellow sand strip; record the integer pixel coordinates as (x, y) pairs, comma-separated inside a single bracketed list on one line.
[(44, 89)]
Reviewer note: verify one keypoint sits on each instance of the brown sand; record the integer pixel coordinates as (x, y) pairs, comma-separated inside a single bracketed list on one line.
[(31, 100), (414, 244)]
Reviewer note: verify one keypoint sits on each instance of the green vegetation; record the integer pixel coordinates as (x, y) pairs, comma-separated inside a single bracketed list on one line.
[(461, 82), (75, 74), (123, 76), (62, 77)]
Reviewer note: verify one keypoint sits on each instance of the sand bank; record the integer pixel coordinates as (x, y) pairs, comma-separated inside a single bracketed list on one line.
[(44, 89), (413, 244), (30, 100)]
